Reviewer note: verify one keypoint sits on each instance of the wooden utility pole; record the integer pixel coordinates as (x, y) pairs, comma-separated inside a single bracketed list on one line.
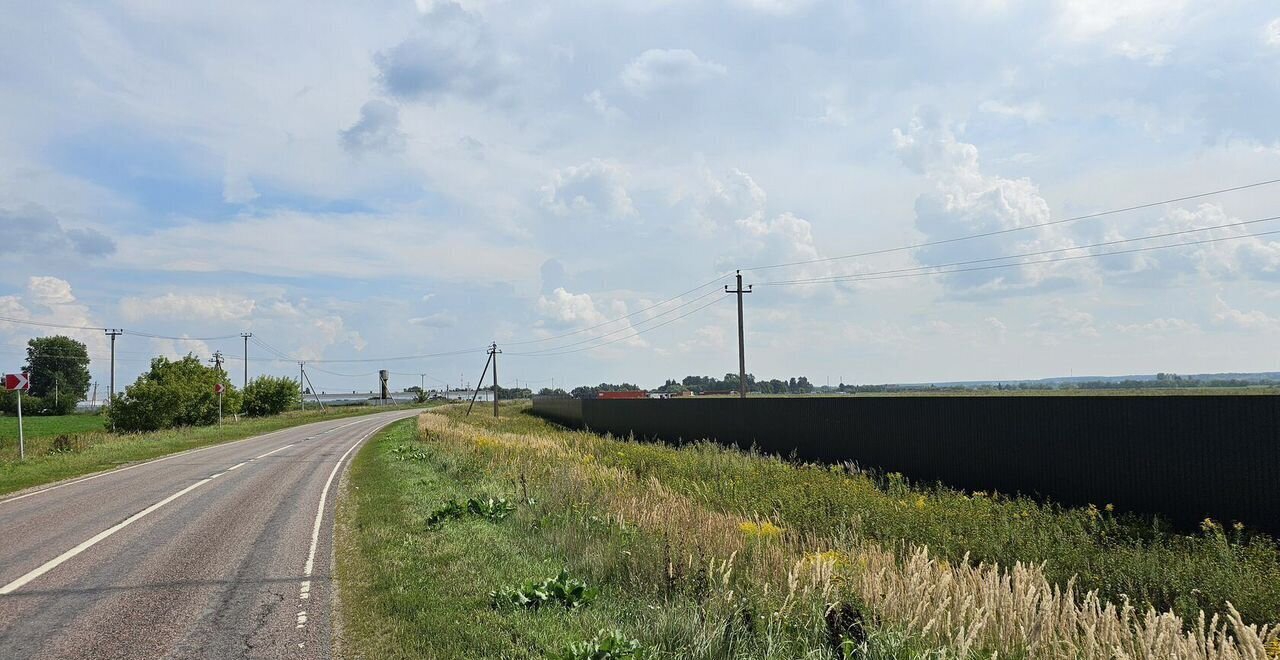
[(742, 352), (246, 336), (113, 334), (493, 350)]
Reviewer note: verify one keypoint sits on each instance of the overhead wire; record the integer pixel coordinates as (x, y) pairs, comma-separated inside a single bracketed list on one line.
[(1150, 248), (1181, 232), (1010, 230), (46, 324), (620, 318), (624, 328), (611, 341)]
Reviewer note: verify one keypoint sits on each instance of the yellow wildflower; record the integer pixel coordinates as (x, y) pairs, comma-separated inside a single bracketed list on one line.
[(1110, 507), (762, 530), (920, 502)]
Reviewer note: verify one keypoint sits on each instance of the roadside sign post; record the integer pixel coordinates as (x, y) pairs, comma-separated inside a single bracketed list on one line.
[(22, 442), (219, 389), (18, 383)]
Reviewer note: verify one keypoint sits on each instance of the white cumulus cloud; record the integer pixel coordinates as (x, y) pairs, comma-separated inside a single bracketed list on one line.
[(177, 306), (965, 200), (658, 69), (594, 187)]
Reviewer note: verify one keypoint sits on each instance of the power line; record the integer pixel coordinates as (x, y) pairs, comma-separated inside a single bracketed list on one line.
[(45, 324), (636, 334), (1010, 230), (148, 335), (858, 278), (335, 373), (620, 318), (625, 328), (840, 278)]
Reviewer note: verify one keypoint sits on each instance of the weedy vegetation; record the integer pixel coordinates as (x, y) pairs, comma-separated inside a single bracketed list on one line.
[(706, 552), (570, 592), (606, 645)]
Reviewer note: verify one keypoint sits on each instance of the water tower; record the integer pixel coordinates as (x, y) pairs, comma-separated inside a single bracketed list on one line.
[(385, 393)]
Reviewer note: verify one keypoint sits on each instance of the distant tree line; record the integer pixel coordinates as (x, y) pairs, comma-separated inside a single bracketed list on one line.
[(590, 391), (508, 393), (700, 384), (1161, 381), (802, 385), (695, 384)]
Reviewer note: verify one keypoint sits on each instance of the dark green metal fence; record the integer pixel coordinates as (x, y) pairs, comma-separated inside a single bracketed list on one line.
[(1185, 457)]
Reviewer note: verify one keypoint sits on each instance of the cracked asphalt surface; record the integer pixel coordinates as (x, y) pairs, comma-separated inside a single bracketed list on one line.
[(217, 571)]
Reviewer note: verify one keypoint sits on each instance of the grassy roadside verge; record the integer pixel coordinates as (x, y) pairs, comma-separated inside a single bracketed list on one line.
[(407, 592), (85, 453), (701, 552)]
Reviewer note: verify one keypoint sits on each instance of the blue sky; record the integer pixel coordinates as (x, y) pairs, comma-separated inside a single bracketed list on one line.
[(360, 180)]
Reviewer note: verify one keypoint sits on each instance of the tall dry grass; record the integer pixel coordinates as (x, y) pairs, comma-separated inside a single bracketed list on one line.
[(963, 609)]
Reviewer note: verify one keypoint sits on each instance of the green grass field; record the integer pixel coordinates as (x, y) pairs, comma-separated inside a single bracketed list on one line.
[(90, 449), (707, 552), (39, 427)]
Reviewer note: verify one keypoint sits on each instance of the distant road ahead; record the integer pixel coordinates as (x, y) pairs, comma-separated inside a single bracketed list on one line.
[(223, 552)]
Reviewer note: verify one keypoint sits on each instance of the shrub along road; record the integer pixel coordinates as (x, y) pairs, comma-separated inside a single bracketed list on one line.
[(220, 552)]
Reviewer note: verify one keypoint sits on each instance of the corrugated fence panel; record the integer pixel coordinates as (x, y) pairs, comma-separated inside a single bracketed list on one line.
[(1186, 457)]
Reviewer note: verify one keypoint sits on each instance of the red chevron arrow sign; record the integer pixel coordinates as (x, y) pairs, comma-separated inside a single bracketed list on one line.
[(17, 382)]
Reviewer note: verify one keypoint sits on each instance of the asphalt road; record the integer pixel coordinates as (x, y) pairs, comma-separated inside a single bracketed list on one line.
[(223, 552)]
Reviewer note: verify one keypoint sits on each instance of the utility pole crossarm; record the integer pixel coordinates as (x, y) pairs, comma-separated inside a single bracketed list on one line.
[(742, 353)]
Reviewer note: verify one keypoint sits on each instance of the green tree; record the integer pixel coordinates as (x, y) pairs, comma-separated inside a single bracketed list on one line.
[(269, 395), (173, 393), (59, 369)]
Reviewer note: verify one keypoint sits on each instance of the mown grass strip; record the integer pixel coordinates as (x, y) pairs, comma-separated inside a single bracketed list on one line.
[(413, 590), (86, 453), (41, 427)]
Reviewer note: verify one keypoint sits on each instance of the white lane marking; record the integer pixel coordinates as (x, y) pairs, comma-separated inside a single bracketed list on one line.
[(60, 559), (306, 590), (161, 460), (281, 448), (237, 465)]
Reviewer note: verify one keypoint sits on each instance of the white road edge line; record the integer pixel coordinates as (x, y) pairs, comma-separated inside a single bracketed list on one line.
[(158, 460), (60, 559), (304, 590), (324, 496)]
